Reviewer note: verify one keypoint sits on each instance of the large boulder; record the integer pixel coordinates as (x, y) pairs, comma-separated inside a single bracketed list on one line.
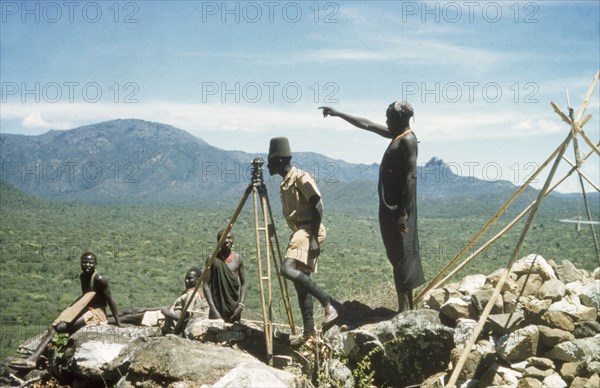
[(91, 349), (401, 351), (171, 359)]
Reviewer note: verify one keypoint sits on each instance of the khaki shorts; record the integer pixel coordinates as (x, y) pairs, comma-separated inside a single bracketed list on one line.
[(95, 316), (298, 249)]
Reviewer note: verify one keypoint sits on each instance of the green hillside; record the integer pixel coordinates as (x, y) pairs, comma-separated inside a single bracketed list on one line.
[(145, 251)]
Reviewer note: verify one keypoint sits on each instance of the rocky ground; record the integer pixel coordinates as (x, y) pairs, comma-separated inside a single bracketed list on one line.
[(543, 331)]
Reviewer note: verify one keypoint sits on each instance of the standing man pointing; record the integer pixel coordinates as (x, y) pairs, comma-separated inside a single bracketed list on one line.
[(397, 190)]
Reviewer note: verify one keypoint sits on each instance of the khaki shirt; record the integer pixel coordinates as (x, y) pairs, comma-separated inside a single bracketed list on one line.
[(296, 189)]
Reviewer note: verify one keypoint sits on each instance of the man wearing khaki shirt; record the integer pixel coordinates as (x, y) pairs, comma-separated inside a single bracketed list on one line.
[(303, 211)]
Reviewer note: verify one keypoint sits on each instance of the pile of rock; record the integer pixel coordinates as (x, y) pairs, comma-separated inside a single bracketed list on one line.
[(543, 329)]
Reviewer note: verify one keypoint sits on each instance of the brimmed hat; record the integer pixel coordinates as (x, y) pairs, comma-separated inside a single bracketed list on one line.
[(279, 148)]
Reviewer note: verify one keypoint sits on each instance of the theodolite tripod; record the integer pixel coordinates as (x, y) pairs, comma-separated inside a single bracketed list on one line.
[(269, 239)]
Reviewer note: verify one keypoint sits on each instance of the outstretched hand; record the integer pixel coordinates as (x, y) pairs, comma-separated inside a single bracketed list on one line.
[(328, 111)]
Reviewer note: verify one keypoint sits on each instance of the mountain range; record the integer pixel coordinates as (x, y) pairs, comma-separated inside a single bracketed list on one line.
[(138, 162)]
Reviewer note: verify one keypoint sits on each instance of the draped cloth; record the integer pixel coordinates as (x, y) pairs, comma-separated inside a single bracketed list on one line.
[(402, 249), (224, 288)]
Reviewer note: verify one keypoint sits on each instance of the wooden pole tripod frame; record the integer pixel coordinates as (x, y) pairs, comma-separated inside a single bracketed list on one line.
[(259, 191), (574, 131)]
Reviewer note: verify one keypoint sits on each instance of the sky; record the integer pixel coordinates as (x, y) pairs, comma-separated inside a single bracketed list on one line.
[(479, 74)]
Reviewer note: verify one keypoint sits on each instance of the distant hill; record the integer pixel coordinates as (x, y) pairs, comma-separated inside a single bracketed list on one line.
[(139, 162)]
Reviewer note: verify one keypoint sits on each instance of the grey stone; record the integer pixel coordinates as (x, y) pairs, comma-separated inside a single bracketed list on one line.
[(502, 324), (537, 373), (93, 348), (471, 366), (341, 374), (164, 360), (567, 272), (529, 382), (255, 374), (435, 299), (481, 298), (570, 370), (451, 291), (498, 375), (464, 332), (582, 382), (510, 302), (577, 311), (558, 320), (455, 308), (529, 284), (550, 337), (541, 362), (552, 289), (590, 295), (471, 284), (519, 345), (576, 350), (554, 381), (534, 309), (510, 284), (593, 367), (403, 350), (586, 329), (534, 264)]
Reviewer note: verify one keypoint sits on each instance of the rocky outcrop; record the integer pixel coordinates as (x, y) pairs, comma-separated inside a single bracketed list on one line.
[(543, 330), (400, 351)]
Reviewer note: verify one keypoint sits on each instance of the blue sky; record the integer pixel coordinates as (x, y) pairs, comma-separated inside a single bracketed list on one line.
[(480, 74)]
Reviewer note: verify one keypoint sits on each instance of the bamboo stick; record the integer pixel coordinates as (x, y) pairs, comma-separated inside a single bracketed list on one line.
[(504, 230), (492, 220), (516, 252)]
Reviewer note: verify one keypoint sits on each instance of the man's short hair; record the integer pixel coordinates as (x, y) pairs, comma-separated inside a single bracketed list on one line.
[(88, 254), (402, 108), (220, 233)]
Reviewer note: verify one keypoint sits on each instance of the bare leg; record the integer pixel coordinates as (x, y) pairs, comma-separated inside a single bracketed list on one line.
[(31, 361), (405, 301)]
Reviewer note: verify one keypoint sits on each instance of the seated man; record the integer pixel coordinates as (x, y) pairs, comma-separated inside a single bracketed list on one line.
[(87, 310), (168, 314), (225, 284)]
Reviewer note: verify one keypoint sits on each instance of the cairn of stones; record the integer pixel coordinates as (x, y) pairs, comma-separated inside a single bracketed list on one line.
[(543, 330)]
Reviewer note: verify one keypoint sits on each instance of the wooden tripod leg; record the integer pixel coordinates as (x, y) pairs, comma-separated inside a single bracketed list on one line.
[(264, 276), (578, 163), (277, 262), (210, 261)]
